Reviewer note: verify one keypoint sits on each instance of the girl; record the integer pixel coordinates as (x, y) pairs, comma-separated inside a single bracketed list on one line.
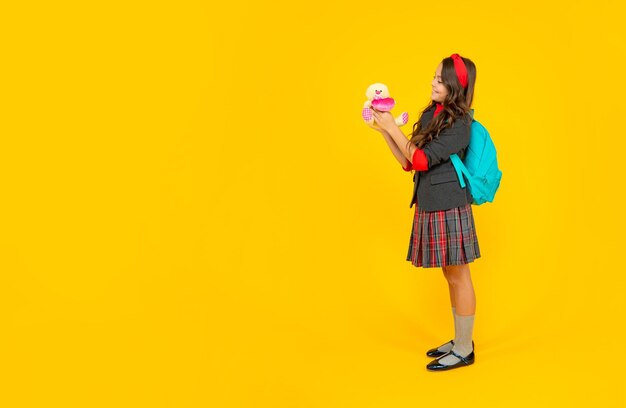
[(443, 232)]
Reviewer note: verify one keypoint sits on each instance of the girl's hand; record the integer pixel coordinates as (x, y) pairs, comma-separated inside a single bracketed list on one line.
[(384, 119), (375, 126)]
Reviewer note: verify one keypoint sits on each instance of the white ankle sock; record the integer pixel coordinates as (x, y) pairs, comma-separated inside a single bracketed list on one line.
[(454, 317), (462, 340)]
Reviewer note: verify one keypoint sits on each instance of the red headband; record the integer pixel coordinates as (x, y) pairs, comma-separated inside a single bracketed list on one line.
[(459, 67)]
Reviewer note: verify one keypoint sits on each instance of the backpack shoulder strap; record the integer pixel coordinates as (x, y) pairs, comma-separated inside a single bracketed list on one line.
[(460, 169)]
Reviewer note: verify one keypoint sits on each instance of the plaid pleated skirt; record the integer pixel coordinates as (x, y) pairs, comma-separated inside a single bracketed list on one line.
[(442, 238)]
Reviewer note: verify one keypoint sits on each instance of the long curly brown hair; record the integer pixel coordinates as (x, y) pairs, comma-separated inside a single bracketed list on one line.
[(457, 104)]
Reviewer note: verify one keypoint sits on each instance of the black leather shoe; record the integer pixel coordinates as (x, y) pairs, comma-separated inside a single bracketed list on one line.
[(434, 352), (435, 365)]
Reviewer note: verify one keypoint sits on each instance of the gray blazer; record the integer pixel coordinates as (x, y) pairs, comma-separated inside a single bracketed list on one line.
[(438, 187)]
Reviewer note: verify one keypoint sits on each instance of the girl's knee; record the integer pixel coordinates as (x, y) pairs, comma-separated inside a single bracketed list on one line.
[(456, 273), (449, 277)]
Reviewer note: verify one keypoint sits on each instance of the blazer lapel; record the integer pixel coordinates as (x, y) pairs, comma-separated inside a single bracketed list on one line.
[(427, 117)]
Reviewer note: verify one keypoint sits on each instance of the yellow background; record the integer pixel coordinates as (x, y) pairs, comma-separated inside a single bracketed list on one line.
[(194, 213)]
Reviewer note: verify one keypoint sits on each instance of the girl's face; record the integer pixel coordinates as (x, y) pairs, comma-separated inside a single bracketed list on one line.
[(439, 89)]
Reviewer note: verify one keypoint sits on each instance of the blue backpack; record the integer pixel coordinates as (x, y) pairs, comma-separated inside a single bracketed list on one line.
[(480, 165)]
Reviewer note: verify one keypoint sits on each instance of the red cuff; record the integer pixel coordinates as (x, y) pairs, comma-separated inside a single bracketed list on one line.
[(420, 161)]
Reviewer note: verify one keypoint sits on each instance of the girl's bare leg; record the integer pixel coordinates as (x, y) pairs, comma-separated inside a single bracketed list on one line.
[(450, 287), (447, 346), (460, 280)]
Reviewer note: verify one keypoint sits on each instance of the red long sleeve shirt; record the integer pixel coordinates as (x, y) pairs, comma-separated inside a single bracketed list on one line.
[(420, 162)]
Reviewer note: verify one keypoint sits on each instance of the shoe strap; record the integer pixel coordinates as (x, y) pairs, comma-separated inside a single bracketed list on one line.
[(460, 357)]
